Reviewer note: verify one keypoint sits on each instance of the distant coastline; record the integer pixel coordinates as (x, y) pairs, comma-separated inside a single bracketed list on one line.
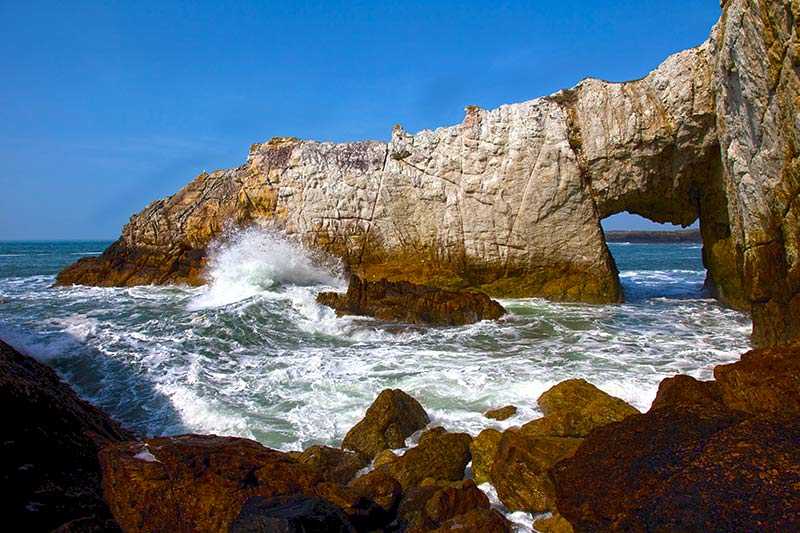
[(680, 236)]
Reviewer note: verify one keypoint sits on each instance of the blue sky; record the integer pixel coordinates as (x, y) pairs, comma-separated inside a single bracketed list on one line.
[(106, 106)]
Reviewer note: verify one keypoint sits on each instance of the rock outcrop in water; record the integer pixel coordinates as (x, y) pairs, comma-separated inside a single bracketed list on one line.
[(511, 199), (401, 301)]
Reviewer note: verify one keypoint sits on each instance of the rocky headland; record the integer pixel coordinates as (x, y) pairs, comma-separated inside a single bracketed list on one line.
[(510, 200), (655, 237), (718, 455)]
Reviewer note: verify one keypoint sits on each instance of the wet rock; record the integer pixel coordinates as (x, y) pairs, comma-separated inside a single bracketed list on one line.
[(679, 468), (483, 449), (392, 417), (763, 381), (48, 453), (553, 524), (429, 506), (483, 520), (440, 456), (401, 301), (502, 413), (575, 407), (332, 464), (290, 514), (379, 487), (520, 471), (361, 511), (195, 482), (383, 458), (685, 390)]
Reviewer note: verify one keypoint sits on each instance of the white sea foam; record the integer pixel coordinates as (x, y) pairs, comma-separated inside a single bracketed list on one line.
[(251, 261)]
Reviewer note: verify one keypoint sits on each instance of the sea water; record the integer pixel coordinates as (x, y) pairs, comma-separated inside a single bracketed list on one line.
[(252, 354)]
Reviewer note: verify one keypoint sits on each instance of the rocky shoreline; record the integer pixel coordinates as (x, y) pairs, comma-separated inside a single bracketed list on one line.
[(719, 455), (656, 237)]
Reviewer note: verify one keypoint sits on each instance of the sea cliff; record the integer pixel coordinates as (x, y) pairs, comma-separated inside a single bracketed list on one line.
[(510, 200)]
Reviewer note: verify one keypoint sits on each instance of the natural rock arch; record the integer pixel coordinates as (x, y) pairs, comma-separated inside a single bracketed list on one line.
[(511, 199)]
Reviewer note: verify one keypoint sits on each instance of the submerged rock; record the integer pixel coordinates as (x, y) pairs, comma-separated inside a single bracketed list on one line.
[(502, 413), (401, 301), (392, 417), (195, 482), (48, 453)]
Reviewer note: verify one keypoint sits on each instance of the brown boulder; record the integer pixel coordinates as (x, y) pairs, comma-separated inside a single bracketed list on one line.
[(478, 520), (520, 471), (332, 464), (502, 413), (380, 488), (392, 417), (290, 514), (361, 511), (575, 407), (401, 301), (685, 390), (48, 453), (684, 468), (195, 482), (440, 456), (764, 381), (554, 523), (429, 506), (483, 449)]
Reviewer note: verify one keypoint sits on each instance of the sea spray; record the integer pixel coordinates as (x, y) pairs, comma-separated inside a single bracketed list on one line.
[(248, 262), (280, 368)]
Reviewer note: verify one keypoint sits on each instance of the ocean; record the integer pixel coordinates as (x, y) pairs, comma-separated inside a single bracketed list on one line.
[(252, 354)]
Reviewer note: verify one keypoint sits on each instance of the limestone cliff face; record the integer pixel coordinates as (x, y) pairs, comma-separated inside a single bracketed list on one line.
[(511, 199), (757, 61)]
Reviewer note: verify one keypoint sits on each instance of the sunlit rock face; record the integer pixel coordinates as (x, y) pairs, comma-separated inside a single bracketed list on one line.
[(510, 200)]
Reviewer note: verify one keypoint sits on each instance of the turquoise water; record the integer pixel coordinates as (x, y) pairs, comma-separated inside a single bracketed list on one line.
[(252, 354)]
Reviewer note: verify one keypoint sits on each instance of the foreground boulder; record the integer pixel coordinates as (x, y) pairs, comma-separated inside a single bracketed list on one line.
[(290, 514), (48, 453), (195, 482), (401, 301), (392, 417), (684, 468), (427, 507)]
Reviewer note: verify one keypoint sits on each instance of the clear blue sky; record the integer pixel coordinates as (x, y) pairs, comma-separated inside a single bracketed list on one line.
[(107, 105)]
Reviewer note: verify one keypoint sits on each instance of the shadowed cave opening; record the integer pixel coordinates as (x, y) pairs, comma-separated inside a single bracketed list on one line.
[(656, 260)]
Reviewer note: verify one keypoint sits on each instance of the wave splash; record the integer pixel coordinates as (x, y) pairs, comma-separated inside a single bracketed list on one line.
[(254, 260)]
